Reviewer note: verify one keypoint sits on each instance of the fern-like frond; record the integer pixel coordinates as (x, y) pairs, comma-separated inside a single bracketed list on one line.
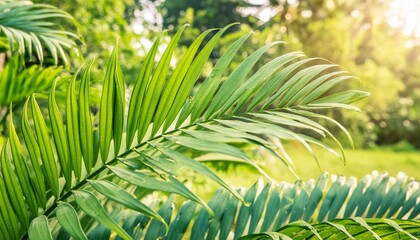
[(113, 159), (29, 28)]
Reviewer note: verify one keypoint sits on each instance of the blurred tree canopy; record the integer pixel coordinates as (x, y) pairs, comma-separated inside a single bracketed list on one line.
[(355, 34), (101, 24)]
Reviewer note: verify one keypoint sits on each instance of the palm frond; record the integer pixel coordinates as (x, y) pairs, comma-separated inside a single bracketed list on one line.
[(349, 228), (295, 210), (29, 28), (147, 147), (17, 82)]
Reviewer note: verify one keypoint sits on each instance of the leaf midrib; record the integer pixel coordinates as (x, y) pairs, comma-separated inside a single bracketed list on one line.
[(112, 162)]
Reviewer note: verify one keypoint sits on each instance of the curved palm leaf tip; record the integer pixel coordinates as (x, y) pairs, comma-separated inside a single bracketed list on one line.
[(29, 28), (165, 127)]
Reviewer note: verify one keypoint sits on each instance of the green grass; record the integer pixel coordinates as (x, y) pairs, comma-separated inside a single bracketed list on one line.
[(359, 163)]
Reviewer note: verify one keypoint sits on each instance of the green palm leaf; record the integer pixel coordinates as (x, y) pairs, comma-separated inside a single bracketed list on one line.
[(17, 82), (352, 228), (68, 219), (39, 229), (29, 28), (14, 188), (174, 129)]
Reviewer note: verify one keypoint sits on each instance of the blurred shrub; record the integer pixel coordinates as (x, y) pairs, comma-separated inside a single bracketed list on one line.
[(401, 123), (402, 146)]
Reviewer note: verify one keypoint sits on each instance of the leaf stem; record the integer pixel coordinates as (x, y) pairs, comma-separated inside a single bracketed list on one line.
[(79, 185)]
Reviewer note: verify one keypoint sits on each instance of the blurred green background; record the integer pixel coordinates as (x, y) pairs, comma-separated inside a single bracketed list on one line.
[(376, 40)]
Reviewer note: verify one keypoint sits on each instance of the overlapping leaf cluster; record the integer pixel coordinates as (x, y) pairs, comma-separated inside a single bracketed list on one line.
[(77, 164)]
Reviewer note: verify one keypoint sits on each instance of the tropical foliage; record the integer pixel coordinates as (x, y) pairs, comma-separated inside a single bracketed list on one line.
[(31, 40), (68, 170), (17, 82), (290, 209), (28, 29), (166, 130), (356, 228), (378, 41)]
